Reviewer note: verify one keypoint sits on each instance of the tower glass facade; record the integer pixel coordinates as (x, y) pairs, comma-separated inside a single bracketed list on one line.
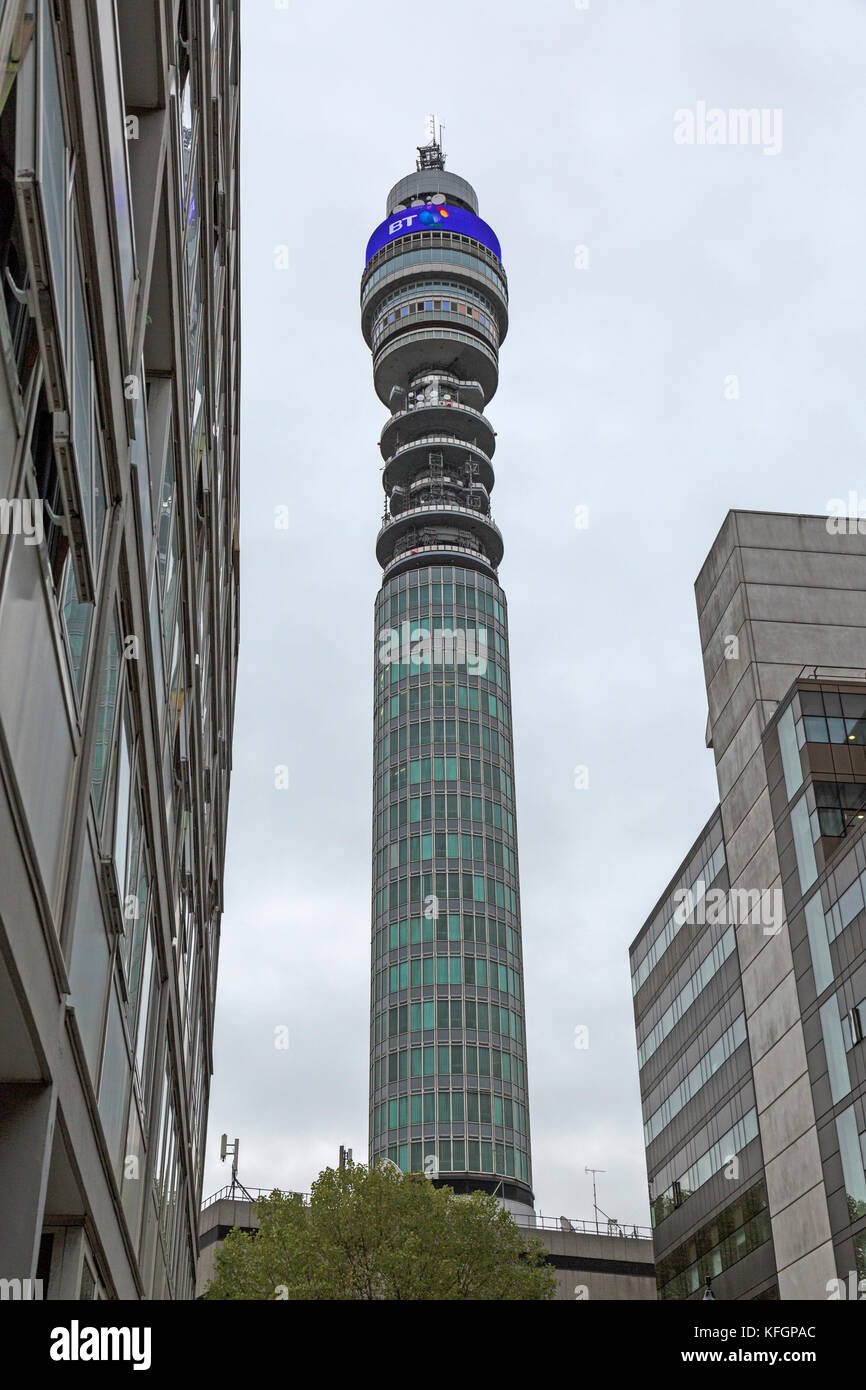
[(448, 1082)]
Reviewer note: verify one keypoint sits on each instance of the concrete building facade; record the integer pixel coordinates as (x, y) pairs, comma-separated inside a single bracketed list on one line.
[(119, 388), (590, 1263), (593, 1265), (749, 978)]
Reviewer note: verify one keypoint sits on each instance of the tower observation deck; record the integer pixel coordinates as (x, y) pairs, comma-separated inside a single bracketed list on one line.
[(448, 1084)]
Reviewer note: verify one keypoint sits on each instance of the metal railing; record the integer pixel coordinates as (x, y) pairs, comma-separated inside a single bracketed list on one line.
[(594, 1228), (407, 493), (383, 331), (237, 1194), (445, 508), (422, 247), (396, 342), (529, 1220), (453, 555), (426, 404), (428, 440)]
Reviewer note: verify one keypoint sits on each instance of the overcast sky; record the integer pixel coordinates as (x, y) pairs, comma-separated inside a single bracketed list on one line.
[(704, 263)]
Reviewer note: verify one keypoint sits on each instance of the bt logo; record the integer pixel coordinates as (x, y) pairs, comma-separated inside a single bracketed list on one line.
[(428, 216)]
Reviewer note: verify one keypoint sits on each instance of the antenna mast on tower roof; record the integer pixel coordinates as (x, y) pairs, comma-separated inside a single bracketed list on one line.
[(431, 155)]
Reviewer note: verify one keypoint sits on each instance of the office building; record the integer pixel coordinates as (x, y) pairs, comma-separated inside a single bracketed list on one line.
[(118, 627), (749, 976)]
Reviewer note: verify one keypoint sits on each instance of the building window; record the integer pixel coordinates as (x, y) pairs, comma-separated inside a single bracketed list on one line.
[(77, 622), (14, 274), (791, 765), (832, 717), (104, 741), (851, 1153), (122, 799), (185, 83), (48, 241), (854, 1025), (48, 489), (117, 152), (85, 431), (803, 846), (840, 807), (819, 945), (53, 162), (733, 1234), (834, 1049), (114, 1083)]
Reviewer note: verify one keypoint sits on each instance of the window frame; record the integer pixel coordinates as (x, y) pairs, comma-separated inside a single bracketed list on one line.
[(50, 301)]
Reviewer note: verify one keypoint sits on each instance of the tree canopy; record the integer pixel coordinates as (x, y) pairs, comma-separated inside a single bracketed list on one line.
[(375, 1233)]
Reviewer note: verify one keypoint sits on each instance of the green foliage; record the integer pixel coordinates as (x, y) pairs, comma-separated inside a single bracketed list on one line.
[(373, 1233)]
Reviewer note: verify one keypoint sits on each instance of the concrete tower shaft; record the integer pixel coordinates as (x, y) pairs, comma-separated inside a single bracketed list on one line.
[(448, 1062)]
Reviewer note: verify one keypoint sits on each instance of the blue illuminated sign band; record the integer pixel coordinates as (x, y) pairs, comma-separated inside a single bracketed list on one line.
[(433, 217)]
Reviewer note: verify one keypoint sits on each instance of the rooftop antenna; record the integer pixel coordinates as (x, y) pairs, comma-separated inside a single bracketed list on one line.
[(233, 1149), (431, 155), (595, 1205)]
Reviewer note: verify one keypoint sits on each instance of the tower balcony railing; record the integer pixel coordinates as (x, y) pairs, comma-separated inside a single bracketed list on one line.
[(488, 335), (444, 380), (445, 285), (453, 264), (465, 424), (416, 349), (403, 500), (424, 441), (447, 510), (409, 461), (419, 335), (422, 247), (441, 550), (451, 521), (451, 480)]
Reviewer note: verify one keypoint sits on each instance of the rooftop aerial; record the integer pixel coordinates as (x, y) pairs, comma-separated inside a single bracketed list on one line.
[(431, 155)]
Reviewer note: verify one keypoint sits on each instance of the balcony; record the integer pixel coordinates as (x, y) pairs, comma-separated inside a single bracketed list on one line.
[(444, 280), (444, 516), (405, 461), (434, 251), (453, 492), (439, 553), (413, 314), (437, 349)]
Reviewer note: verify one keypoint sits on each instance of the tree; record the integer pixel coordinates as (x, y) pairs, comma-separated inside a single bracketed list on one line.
[(373, 1233)]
